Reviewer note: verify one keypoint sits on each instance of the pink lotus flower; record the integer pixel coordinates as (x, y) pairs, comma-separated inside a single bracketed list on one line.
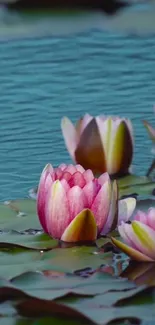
[(139, 237), (74, 206), (150, 129), (103, 144)]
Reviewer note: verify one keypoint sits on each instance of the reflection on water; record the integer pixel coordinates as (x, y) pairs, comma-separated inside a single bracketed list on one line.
[(44, 78), (138, 18), (140, 273)]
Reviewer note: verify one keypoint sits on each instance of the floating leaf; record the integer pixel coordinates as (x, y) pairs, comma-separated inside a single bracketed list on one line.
[(137, 185), (131, 180), (16, 261), (97, 313), (37, 285), (19, 215), (70, 260), (38, 242), (37, 307), (135, 305)]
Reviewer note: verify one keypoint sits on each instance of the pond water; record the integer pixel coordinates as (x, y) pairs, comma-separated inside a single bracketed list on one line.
[(45, 78)]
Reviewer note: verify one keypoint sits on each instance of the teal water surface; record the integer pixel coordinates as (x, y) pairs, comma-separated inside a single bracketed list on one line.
[(45, 78)]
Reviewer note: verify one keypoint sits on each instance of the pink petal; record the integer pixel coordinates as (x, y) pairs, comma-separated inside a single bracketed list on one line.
[(88, 175), (130, 127), (91, 189), (126, 208), (63, 166), (48, 169), (56, 210), (85, 121), (146, 237), (67, 176), (151, 218), (79, 168), (71, 169), (65, 185), (135, 240), (141, 216), (70, 135), (123, 230), (112, 219), (77, 179), (76, 201), (103, 178), (45, 182), (58, 173), (101, 205), (133, 253)]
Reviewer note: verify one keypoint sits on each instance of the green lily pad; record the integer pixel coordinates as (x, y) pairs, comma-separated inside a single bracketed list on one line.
[(16, 261), (19, 215), (38, 285), (139, 185), (38, 242), (129, 180), (100, 309), (77, 258)]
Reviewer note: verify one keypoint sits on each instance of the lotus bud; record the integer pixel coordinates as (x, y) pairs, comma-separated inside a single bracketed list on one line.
[(74, 206), (103, 144)]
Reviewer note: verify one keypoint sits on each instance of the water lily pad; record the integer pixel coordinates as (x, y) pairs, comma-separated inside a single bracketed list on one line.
[(139, 185), (16, 261), (33, 285), (97, 299), (19, 215), (38, 285), (70, 260), (130, 180), (94, 309), (38, 242)]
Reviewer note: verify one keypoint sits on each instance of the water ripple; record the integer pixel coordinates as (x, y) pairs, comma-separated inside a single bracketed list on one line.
[(45, 78)]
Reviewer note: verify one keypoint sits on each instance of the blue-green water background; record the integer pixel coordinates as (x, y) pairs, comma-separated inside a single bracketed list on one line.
[(45, 78)]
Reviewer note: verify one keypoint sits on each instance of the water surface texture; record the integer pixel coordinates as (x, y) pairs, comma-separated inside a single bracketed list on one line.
[(45, 78)]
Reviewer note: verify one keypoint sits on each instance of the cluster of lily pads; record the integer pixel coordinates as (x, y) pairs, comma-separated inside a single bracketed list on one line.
[(79, 203), (61, 257)]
